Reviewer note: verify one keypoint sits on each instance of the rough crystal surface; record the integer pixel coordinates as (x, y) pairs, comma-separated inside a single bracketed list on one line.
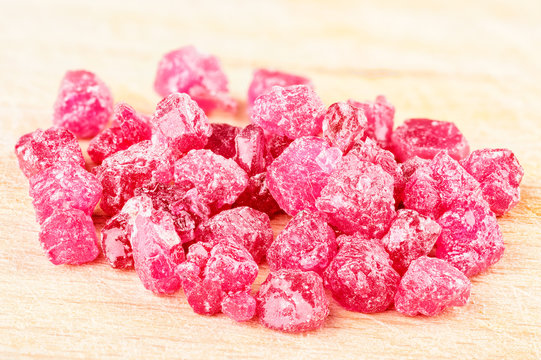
[(425, 138), (307, 243), (83, 105), (360, 276), (410, 166), (276, 144), (344, 125), (264, 80), (292, 301), (239, 307), (429, 286), (499, 173), (257, 196), (222, 140), (251, 150), (42, 148), (380, 119), (298, 175), (115, 241), (293, 111)]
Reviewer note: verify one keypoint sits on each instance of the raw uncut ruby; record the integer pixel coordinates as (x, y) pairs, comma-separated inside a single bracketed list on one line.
[(429, 286), (380, 119), (293, 111), (83, 105), (425, 138), (298, 175), (115, 241), (42, 148), (276, 144), (257, 196), (499, 173), (239, 307), (344, 125), (186, 70), (292, 301), (264, 80), (410, 166), (251, 150), (222, 140)]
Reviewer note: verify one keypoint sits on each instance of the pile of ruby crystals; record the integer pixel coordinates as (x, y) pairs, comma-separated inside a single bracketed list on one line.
[(379, 218)]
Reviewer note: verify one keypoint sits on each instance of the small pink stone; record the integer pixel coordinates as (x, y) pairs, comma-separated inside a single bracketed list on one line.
[(84, 104), (42, 148), (265, 79), (64, 186), (298, 175), (361, 277), (293, 111), (429, 286), (115, 241), (307, 243), (222, 140), (471, 239), (186, 70), (410, 236), (344, 125), (499, 173), (68, 236), (410, 166), (257, 196), (292, 301), (425, 138), (239, 307), (380, 118), (251, 150)]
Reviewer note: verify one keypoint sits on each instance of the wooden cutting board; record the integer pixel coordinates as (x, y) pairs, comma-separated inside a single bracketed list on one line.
[(475, 64)]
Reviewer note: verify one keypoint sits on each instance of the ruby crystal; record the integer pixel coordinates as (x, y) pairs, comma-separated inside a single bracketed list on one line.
[(264, 80), (222, 140), (115, 241), (276, 144), (251, 150), (257, 196), (380, 119), (239, 306), (344, 125)]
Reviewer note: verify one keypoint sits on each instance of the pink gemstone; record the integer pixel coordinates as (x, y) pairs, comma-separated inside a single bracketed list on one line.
[(180, 124), (257, 196), (42, 148), (84, 104), (64, 186), (380, 119), (123, 172), (239, 306), (298, 175), (218, 180), (115, 241), (251, 150), (265, 79), (471, 239), (425, 138), (361, 277), (429, 286), (307, 243), (499, 173), (68, 236), (276, 144), (242, 225), (344, 125), (410, 236), (199, 75), (294, 111), (128, 128), (358, 198), (292, 301), (410, 166), (222, 140)]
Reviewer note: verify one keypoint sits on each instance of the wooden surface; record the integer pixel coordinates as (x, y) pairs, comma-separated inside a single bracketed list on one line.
[(475, 64)]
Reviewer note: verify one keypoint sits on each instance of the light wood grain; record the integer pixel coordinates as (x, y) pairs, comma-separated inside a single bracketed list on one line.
[(475, 64)]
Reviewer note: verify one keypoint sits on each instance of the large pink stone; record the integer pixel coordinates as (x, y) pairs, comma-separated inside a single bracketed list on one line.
[(222, 140), (298, 175), (84, 104), (344, 125), (42, 148), (429, 286), (68, 236), (251, 150), (186, 70), (425, 138), (64, 185), (292, 301), (499, 173), (265, 79), (257, 196), (380, 119), (293, 111)]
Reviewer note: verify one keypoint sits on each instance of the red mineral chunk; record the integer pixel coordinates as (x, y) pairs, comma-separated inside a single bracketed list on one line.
[(265, 79), (222, 140), (199, 75), (115, 241), (276, 144), (425, 138), (292, 301), (436, 185), (242, 225), (358, 198), (128, 128), (239, 306), (471, 239), (429, 286), (40, 149), (293, 111), (360, 276), (64, 185), (499, 173), (307, 243), (257, 196), (83, 105), (380, 117), (123, 172), (68, 236), (298, 175), (344, 125), (251, 150), (218, 180), (410, 236), (410, 166), (180, 124)]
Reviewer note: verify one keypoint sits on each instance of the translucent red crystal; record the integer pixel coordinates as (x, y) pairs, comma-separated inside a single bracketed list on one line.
[(239, 306), (222, 140), (344, 125), (257, 196), (115, 241), (265, 79), (251, 150), (276, 144), (380, 119)]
